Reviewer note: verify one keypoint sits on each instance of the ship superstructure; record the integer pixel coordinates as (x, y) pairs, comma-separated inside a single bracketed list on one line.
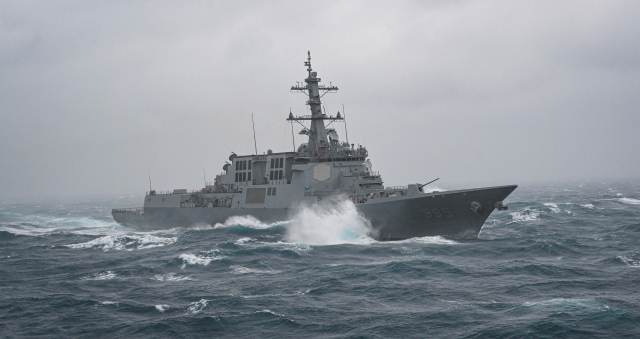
[(271, 185)]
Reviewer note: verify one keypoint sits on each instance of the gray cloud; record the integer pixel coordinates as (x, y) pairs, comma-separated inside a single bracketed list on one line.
[(94, 94)]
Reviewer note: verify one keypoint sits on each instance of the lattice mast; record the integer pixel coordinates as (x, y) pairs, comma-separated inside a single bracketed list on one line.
[(317, 132)]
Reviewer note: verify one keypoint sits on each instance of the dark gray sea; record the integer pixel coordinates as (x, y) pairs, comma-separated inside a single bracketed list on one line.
[(562, 262)]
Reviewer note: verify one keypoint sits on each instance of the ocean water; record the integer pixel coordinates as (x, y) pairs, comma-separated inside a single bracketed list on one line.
[(562, 262)]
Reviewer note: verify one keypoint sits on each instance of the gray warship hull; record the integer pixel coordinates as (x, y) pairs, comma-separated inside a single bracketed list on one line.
[(270, 186), (447, 213)]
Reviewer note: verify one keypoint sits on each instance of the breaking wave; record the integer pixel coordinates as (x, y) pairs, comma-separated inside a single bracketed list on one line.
[(198, 306), (202, 258), (170, 277), (629, 201), (36, 225), (125, 242), (247, 221), (628, 261), (331, 222), (108, 275), (161, 307), (526, 214)]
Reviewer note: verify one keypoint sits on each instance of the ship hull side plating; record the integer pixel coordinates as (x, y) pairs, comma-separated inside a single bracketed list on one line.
[(394, 218), (434, 214)]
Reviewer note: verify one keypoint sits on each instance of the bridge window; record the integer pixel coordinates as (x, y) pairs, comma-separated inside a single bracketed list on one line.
[(273, 191)]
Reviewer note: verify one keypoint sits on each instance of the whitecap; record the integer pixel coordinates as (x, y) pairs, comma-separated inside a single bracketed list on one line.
[(245, 270), (590, 206), (125, 242), (630, 201), (436, 240), (202, 259), (198, 306), (36, 225), (170, 277), (162, 307), (247, 221), (243, 241), (107, 303), (270, 312), (553, 207), (108, 275), (526, 214), (628, 261)]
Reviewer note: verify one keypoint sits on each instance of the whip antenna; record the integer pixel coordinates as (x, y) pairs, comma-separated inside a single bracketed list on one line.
[(293, 140), (344, 117), (255, 144)]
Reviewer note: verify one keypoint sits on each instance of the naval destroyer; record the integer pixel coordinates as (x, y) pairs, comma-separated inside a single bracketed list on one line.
[(270, 186)]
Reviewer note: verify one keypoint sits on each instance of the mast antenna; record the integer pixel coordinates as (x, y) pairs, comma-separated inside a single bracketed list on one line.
[(293, 139), (205, 176), (255, 144), (344, 116), (149, 180)]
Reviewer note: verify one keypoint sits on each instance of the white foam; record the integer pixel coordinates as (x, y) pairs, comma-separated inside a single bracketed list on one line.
[(36, 225), (202, 259), (198, 306), (170, 277), (243, 241), (296, 247), (246, 270), (628, 261), (270, 312), (247, 221), (437, 240), (553, 207), (108, 275), (556, 209), (630, 201), (334, 221), (125, 242), (526, 214), (107, 303), (590, 206), (619, 194), (162, 307)]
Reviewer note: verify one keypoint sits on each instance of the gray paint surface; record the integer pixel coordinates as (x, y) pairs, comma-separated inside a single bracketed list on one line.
[(267, 186)]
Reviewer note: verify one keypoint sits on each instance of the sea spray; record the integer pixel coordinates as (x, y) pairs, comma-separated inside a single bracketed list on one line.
[(332, 221)]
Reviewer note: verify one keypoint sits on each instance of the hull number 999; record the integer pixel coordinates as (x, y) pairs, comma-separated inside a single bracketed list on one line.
[(437, 213)]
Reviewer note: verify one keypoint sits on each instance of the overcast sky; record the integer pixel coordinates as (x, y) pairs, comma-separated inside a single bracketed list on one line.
[(93, 94)]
